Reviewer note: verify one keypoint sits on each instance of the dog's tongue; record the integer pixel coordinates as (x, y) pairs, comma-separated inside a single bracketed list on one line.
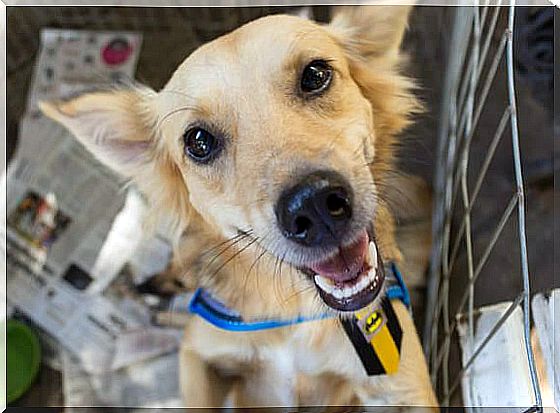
[(347, 264)]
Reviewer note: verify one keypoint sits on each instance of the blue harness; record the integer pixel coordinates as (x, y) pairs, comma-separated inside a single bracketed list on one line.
[(216, 313)]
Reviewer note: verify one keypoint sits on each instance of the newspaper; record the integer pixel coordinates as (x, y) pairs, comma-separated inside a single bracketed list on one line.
[(70, 60), (71, 227), (152, 383), (76, 247), (61, 202)]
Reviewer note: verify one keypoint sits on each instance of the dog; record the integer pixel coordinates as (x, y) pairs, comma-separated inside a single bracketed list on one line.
[(274, 148)]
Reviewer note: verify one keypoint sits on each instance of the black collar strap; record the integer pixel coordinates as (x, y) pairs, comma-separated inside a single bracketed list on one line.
[(376, 335)]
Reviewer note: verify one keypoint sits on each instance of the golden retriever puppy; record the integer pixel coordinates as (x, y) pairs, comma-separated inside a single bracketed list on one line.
[(273, 148)]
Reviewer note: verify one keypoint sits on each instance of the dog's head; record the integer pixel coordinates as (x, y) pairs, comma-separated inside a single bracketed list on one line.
[(281, 130)]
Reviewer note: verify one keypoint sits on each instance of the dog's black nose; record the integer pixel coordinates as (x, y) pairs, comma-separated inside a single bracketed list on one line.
[(316, 211)]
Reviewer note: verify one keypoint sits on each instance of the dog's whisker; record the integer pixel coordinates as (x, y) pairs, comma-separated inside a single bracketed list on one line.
[(280, 268), (237, 253), (220, 244), (269, 257), (291, 272), (307, 287), (254, 264), (275, 280), (223, 251), (232, 243), (248, 273), (245, 235)]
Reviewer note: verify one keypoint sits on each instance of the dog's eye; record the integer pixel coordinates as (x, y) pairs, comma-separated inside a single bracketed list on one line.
[(200, 144), (316, 77)]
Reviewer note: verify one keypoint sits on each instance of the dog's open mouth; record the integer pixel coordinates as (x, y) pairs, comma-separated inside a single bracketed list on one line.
[(353, 278)]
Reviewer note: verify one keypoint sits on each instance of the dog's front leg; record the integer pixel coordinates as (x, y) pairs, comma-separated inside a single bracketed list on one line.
[(201, 385)]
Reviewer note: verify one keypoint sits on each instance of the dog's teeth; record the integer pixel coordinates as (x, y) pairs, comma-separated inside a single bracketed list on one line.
[(338, 293), (324, 284), (363, 283), (373, 254), (368, 280)]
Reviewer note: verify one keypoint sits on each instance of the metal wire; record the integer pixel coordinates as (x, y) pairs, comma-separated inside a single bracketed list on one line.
[(482, 345), (497, 232), (521, 208), (463, 105)]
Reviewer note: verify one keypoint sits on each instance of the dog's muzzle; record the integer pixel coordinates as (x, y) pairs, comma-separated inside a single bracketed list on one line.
[(317, 213)]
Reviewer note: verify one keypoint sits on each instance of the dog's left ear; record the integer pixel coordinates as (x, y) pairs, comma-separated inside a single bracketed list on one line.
[(116, 126), (370, 32), (119, 127)]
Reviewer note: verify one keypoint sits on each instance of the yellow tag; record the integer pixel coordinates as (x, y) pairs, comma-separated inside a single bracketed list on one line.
[(377, 336)]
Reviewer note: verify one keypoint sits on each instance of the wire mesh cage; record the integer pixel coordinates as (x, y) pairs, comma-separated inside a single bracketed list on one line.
[(481, 43)]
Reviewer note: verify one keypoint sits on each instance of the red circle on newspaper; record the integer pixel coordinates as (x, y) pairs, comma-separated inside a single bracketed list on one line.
[(116, 52)]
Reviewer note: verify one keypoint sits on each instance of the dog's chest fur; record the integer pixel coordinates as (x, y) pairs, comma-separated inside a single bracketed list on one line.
[(292, 362), (313, 347)]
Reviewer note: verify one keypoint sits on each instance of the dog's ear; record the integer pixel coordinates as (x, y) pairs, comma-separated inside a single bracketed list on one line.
[(370, 32), (370, 37), (119, 127), (116, 126)]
